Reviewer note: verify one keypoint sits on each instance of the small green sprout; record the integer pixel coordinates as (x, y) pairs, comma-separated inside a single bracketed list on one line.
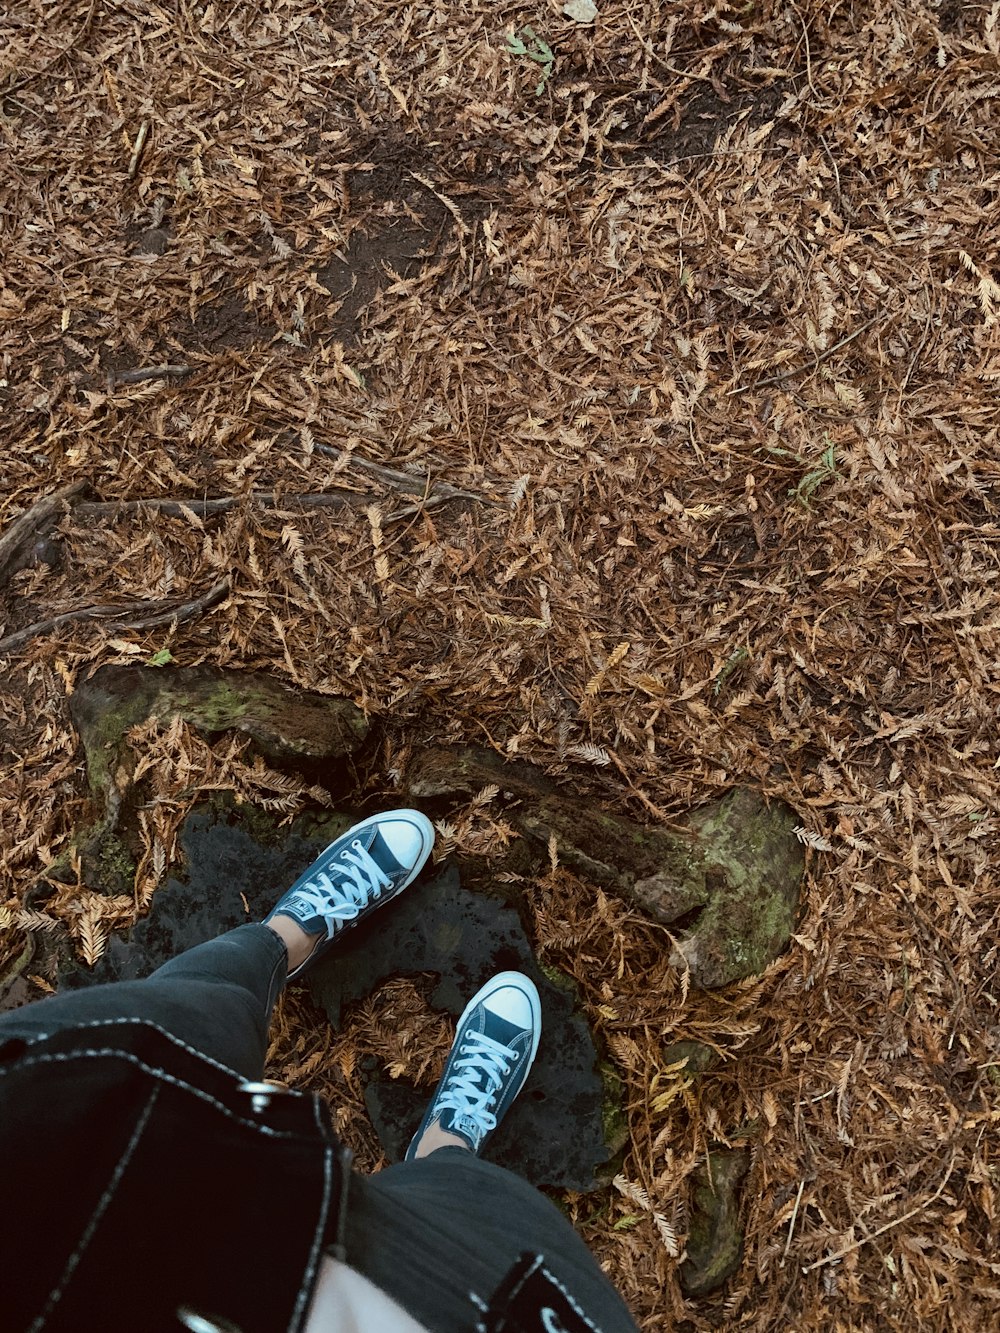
[(824, 470), (525, 43), (733, 663)]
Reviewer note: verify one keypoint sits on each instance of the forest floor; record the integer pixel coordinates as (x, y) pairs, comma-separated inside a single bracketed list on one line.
[(649, 369)]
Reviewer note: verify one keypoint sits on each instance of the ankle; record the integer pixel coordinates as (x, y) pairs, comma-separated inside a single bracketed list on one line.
[(434, 1137), (298, 943)]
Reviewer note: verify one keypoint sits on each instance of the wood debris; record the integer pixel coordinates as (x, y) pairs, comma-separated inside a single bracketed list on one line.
[(707, 307)]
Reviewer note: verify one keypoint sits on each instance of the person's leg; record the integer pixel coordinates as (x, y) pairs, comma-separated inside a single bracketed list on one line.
[(440, 1234), (216, 998), (441, 1231)]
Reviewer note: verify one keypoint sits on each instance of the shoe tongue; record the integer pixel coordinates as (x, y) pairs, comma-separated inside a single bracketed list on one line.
[(454, 1122)]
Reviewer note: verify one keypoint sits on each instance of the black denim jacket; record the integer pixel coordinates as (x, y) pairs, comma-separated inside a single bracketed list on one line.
[(149, 1189), (145, 1185)]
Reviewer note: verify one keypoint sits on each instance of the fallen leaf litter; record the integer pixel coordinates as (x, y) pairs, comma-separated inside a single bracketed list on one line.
[(699, 305)]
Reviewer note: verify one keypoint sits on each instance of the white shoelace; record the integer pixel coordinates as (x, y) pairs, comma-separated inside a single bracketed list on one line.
[(479, 1056), (343, 898)]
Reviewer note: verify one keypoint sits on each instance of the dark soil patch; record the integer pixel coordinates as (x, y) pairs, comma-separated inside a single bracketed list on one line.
[(18, 994), (690, 131), (735, 545), (227, 322), (398, 248), (143, 239), (400, 225), (956, 16), (218, 325), (19, 605)]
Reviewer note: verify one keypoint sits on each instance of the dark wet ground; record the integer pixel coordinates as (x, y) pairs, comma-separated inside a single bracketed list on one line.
[(554, 1133)]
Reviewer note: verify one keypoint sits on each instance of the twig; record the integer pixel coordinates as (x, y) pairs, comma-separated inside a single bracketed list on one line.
[(880, 1231), (202, 508), (17, 966), (369, 430), (266, 499), (135, 615), (403, 481), (25, 527), (683, 73), (801, 370), (408, 511), (836, 173), (140, 143), (791, 1225), (147, 373), (667, 168), (177, 508)]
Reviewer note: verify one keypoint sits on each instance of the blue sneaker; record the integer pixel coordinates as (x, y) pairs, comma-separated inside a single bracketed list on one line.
[(371, 864), (495, 1043)]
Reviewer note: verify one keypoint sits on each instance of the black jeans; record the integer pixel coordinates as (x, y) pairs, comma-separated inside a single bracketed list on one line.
[(438, 1235), (216, 998)]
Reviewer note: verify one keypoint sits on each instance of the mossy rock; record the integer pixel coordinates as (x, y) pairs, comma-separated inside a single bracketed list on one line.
[(726, 878), (715, 1238), (285, 724), (694, 1057), (614, 1117), (115, 864)]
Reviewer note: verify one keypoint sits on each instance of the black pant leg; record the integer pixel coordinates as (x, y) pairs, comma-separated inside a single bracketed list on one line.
[(440, 1234), (216, 998)]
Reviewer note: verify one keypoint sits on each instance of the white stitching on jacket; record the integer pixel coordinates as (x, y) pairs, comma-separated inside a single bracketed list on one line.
[(55, 1295), (308, 1277), (539, 1263), (512, 1295), (480, 1304), (62, 1058), (137, 1022), (556, 1283)]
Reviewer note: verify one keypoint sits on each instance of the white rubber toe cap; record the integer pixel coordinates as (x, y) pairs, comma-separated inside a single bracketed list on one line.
[(513, 997), (408, 834)]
